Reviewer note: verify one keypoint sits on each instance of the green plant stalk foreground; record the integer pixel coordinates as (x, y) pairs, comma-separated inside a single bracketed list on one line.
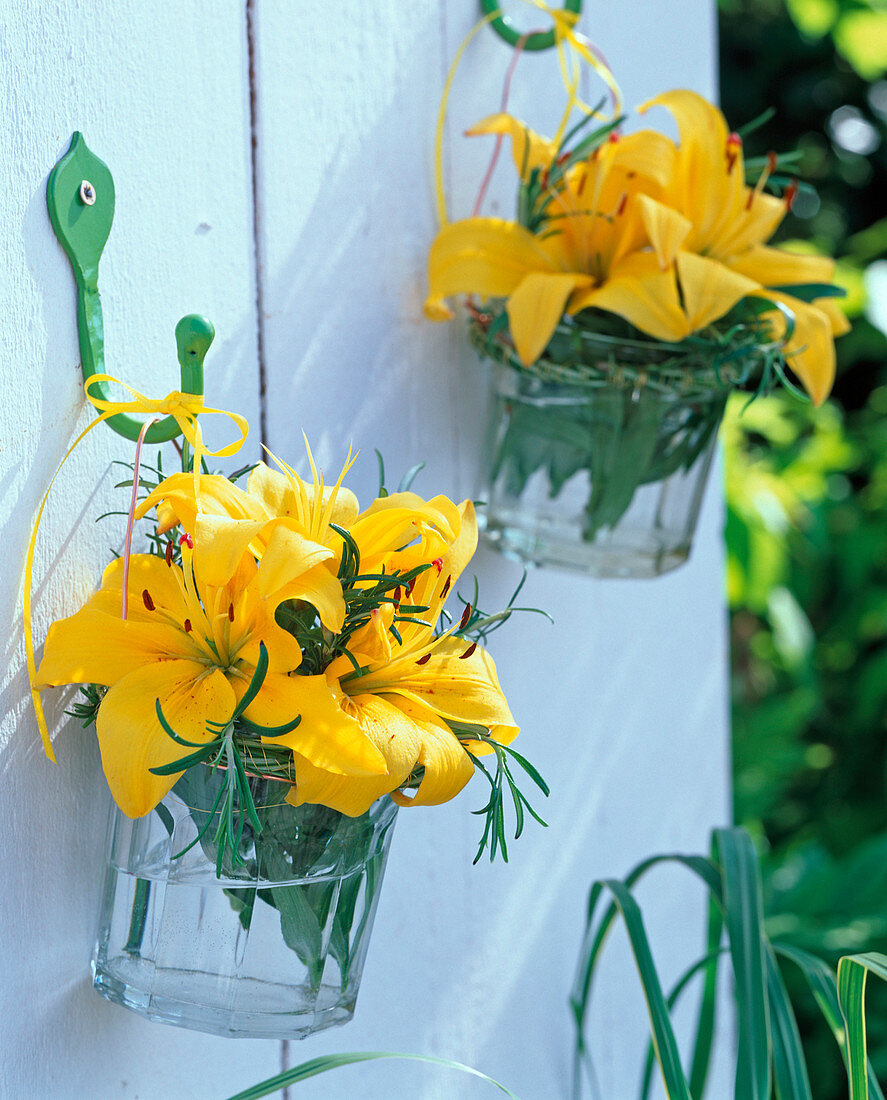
[(770, 1057), (334, 1061)]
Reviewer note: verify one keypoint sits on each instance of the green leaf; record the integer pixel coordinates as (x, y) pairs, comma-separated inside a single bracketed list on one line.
[(185, 762), (852, 973), (664, 1041), (789, 1065), (334, 1061), (808, 292), (823, 985), (705, 1023), (383, 492), (409, 477), (708, 964), (744, 919), (258, 678)]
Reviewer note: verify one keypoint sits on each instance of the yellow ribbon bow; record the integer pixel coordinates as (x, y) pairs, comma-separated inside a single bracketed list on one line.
[(184, 408)]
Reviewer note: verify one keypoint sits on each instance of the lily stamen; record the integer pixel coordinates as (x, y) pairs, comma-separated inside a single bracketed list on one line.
[(769, 168), (146, 599), (734, 144)]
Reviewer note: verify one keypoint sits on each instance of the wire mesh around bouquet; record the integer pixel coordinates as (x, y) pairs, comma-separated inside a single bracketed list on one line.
[(598, 454)]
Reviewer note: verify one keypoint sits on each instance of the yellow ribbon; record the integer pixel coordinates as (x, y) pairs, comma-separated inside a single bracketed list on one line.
[(564, 32), (184, 408)]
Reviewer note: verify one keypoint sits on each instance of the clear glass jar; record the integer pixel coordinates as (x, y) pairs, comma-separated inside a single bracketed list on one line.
[(275, 947), (604, 479)]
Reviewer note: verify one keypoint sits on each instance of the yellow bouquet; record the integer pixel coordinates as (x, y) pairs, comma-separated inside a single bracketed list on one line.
[(633, 290), (668, 236), (279, 629)]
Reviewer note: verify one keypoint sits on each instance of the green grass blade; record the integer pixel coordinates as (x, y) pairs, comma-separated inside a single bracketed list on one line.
[(789, 1064), (705, 1022), (593, 943), (595, 937), (706, 964), (852, 973), (851, 998), (664, 1043), (823, 985), (334, 1061), (744, 919)]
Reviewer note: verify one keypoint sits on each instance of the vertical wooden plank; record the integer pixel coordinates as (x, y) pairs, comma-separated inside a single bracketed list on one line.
[(161, 94), (623, 703)]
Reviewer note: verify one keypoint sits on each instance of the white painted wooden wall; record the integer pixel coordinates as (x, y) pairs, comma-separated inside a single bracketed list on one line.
[(623, 704)]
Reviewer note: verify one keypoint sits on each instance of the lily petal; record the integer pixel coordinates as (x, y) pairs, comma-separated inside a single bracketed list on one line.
[(666, 228), (704, 188), (275, 493), (536, 306), (486, 256), (709, 288), (776, 267), (132, 740), (147, 573), (396, 737), (322, 590), (837, 318), (447, 765), (528, 148), (218, 496), (450, 685), (287, 556), (92, 647), (646, 153), (641, 292), (810, 351), (220, 544), (327, 736)]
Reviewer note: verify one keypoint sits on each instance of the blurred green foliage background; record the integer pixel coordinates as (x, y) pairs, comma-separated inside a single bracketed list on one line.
[(807, 509)]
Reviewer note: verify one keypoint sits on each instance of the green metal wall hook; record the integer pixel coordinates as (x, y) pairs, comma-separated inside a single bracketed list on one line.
[(540, 40), (80, 200)]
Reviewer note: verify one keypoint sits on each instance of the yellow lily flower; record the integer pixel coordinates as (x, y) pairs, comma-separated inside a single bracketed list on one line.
[(193, 646), (707, 211), (233, 520), (594, 228), (408, 693), (667, 236)]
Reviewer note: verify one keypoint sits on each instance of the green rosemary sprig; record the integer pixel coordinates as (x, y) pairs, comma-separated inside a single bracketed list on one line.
[(87, 712), (502, 785), (405, 482), (363, 593), (477, 625)]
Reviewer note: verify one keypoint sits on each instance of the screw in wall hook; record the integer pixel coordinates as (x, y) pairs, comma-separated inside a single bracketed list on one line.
[(82, 228)]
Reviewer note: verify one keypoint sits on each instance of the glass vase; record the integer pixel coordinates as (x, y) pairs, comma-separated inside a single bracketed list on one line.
[(272, 948), (602, 476)]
